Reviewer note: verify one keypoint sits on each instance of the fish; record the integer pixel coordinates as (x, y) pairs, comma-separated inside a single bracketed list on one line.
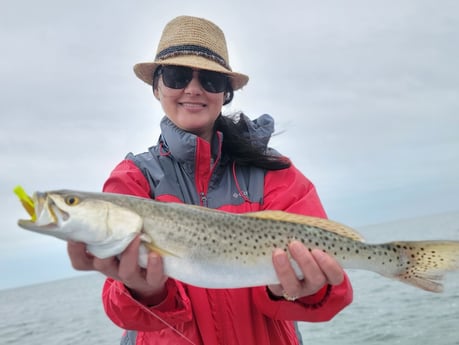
[(215, 249)]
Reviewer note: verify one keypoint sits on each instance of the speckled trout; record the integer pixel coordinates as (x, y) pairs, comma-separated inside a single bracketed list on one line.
[(216, 249)]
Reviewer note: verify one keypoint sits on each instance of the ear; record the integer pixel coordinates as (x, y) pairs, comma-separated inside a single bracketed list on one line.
[(156, 93)]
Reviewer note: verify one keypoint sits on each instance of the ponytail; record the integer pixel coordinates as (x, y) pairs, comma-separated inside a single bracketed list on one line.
[(243, 150)]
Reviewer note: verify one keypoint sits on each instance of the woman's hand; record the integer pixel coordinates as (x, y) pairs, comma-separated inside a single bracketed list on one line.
[(146, 285), (318, 270)]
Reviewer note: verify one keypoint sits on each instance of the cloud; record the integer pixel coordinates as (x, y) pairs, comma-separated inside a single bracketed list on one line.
[(365, 95)]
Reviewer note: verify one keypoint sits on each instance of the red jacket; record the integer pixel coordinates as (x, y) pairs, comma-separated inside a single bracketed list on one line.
[(192, 315)]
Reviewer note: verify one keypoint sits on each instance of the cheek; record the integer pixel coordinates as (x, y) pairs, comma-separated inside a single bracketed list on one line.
[(161, 92), (217, 99)]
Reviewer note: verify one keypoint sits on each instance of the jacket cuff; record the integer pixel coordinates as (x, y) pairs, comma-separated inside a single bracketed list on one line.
[(312, 301), (316, 300), (319, 307), (128, 313), (171, 301)]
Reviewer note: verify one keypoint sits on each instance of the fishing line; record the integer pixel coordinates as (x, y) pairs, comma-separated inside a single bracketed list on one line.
[(145, 308)]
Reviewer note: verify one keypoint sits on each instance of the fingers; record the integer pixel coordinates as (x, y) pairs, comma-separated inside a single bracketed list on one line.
[(132, 274), (313, 277), (155, 271), (147, 285), (317, 268), (129, 270), (288, 279), (125, 269), (80, 259), (108, 267), (329, 266)]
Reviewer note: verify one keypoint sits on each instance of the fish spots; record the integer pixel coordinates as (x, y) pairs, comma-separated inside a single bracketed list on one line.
[(247, 242), (239, 240)]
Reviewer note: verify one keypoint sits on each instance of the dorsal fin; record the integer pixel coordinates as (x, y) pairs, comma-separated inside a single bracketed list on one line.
[(324, 224)]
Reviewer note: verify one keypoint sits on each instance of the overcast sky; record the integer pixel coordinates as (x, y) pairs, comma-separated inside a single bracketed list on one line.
[(364, 93)]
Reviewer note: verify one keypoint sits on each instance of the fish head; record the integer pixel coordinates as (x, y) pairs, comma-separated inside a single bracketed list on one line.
[(63, 215), (83, 217)]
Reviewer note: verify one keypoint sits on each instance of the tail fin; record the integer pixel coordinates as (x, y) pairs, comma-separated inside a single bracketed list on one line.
[(424, 264)]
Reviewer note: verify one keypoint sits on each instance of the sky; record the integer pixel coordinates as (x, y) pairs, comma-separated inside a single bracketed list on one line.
[(364, 94)]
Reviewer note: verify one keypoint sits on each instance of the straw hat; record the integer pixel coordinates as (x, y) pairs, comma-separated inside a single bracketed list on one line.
[(194, 42)]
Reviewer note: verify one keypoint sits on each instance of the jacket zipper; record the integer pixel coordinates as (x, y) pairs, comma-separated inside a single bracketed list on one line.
[(213, 164), (203, 199)]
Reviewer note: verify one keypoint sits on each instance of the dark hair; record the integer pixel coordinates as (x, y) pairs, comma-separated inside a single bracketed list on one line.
[(239, 148), (242, 149)]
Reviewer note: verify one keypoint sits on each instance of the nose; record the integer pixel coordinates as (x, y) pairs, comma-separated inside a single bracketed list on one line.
[(194, 87)]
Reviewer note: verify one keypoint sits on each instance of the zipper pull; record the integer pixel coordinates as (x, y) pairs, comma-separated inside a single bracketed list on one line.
[(203, 199)]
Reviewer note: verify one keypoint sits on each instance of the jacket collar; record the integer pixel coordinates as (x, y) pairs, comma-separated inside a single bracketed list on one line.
[(184, 145)]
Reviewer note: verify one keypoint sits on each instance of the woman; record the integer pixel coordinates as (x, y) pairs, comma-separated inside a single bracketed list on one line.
[(207, 159)]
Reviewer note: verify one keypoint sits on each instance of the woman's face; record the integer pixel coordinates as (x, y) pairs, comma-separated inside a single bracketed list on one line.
[(192, 108)]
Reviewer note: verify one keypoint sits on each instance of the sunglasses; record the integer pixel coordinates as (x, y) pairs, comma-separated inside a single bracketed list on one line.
[(178, 77)]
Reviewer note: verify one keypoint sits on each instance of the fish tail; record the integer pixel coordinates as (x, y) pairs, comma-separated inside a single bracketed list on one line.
[(424, 263)]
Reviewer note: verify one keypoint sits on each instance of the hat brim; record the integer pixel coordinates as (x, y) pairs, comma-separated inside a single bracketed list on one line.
[(145, 70)]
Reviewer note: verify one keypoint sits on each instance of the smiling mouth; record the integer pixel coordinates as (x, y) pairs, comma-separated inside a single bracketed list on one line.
[(192, 105)]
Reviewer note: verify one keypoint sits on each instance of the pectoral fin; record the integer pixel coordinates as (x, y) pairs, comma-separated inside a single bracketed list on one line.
[(152, 246)]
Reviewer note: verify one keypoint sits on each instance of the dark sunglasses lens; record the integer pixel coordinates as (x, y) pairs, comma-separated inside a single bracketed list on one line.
[(214, 82), (176, 77)]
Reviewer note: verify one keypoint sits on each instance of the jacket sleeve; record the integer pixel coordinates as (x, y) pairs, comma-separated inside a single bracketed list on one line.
[(128, 313), (289, 190), (126, 178), (118, 303)]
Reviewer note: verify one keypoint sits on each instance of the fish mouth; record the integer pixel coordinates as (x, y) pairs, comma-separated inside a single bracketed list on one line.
[(43, 211)]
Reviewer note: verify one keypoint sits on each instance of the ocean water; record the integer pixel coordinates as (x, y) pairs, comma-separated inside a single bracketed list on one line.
[(69, 312), (388, 312), (63, 312)]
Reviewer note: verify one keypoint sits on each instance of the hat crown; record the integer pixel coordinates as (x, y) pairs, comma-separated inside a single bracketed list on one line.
[(191, 35), (193, 42)]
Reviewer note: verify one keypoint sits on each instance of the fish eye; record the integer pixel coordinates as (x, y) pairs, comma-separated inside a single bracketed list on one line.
[(72, 200)]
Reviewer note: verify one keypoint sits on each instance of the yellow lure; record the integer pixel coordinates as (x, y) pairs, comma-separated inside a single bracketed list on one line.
[(26, 201)]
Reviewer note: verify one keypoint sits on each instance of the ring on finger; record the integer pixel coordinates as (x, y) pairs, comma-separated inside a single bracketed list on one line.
[(288, 297)]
